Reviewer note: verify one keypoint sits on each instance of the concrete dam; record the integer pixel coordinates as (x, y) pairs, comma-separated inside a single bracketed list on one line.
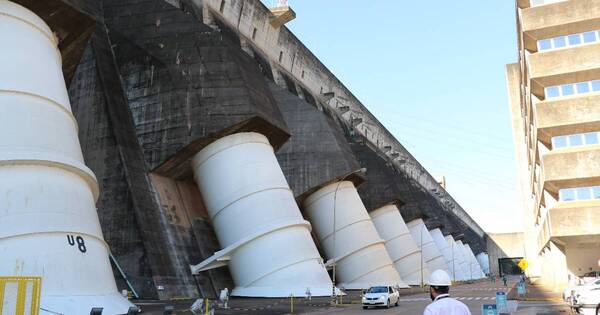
[(219, 152)]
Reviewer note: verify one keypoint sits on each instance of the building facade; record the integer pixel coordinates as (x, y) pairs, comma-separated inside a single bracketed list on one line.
[(554, 94)]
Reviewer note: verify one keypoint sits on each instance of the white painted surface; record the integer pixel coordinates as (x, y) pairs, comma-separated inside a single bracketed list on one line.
[(400, 245), (48, 221), (447, 252), (484, 262), (361, 257), (431, 254), (465, 264), (459, 263), (479, 272), (472, 266), (257, 221)]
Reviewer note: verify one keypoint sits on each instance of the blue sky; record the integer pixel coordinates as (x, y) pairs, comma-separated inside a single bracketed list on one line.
[(433, 73)]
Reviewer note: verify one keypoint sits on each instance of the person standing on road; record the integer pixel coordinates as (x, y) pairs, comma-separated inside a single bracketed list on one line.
[(443, 304)]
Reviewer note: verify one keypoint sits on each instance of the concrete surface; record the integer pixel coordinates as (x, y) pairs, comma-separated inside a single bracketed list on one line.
[(154, 84), (474, 295), (289, 58)]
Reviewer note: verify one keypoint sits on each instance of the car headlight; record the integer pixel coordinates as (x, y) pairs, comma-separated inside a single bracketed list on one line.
[(382, 297)]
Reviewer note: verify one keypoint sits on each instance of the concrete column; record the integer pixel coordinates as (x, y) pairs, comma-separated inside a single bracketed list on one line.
[(49, 227), (266, 242), (400, 245), (431, 254), (360, 255), (457, 265), (447, 251)]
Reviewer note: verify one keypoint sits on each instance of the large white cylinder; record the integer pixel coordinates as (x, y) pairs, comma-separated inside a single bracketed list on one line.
[(465, 264), (431, 254), (360, 255), (479, 272), (447, 252), (484, 262), (473, 272), (257, 220), (48, 221), (458, 264), (400, 245)]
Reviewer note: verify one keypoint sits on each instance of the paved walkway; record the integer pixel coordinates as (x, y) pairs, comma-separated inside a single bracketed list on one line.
[(536, 293), (474, 295)]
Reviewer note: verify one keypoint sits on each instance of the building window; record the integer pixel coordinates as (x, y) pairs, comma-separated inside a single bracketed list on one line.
[(254, 33), (572, 89), (568, 41), (544, 44), (591, 138), (582, 193), (222, 7), (552, 91), (575, 140), (302, 74), (280, 56), (574, 40), (589, 37), (567, 89)]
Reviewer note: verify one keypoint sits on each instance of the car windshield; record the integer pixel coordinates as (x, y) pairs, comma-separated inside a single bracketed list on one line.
[(378, 290)]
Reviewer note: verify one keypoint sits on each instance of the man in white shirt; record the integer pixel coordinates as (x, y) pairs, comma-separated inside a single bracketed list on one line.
[(443, 304)]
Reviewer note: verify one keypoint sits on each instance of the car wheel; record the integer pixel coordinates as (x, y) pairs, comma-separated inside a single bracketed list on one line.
[(388, 304), (398, 301), (365, 307), (598, 310)]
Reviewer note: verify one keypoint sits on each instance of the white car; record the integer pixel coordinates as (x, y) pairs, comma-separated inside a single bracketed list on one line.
[(381, 296), (588, 301), (571, 295), (570, 292)]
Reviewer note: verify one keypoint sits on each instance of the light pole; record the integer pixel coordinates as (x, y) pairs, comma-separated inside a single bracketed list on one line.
[(453, 274), (470, 271), (453, 264), (333, 261), (421, 247)]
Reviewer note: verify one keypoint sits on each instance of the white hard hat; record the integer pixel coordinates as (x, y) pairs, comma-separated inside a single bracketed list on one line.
[(440, 278)]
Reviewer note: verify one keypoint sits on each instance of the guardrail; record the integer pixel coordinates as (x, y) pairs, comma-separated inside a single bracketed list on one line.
[(18, 294)]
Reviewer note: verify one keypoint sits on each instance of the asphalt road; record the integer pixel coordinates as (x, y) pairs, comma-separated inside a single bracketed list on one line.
[(473, 295)]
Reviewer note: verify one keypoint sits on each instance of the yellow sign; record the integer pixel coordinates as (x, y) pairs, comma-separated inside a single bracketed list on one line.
[(18, 294), (523, 264)]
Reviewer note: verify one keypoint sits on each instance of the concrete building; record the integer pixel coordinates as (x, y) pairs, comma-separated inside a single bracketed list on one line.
[(553, 93), (192, 112)]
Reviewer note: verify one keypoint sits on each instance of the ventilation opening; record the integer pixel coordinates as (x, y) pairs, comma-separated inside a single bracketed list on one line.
[(302, 74), (309, 97), (222, 7), (280, 56), (289, 83), (254, 33)]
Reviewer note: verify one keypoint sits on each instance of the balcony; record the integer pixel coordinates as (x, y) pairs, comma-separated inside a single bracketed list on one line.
[(575, 218), (569, 115), (571, 167), (561, 18), (569, 65), (569, 221)]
